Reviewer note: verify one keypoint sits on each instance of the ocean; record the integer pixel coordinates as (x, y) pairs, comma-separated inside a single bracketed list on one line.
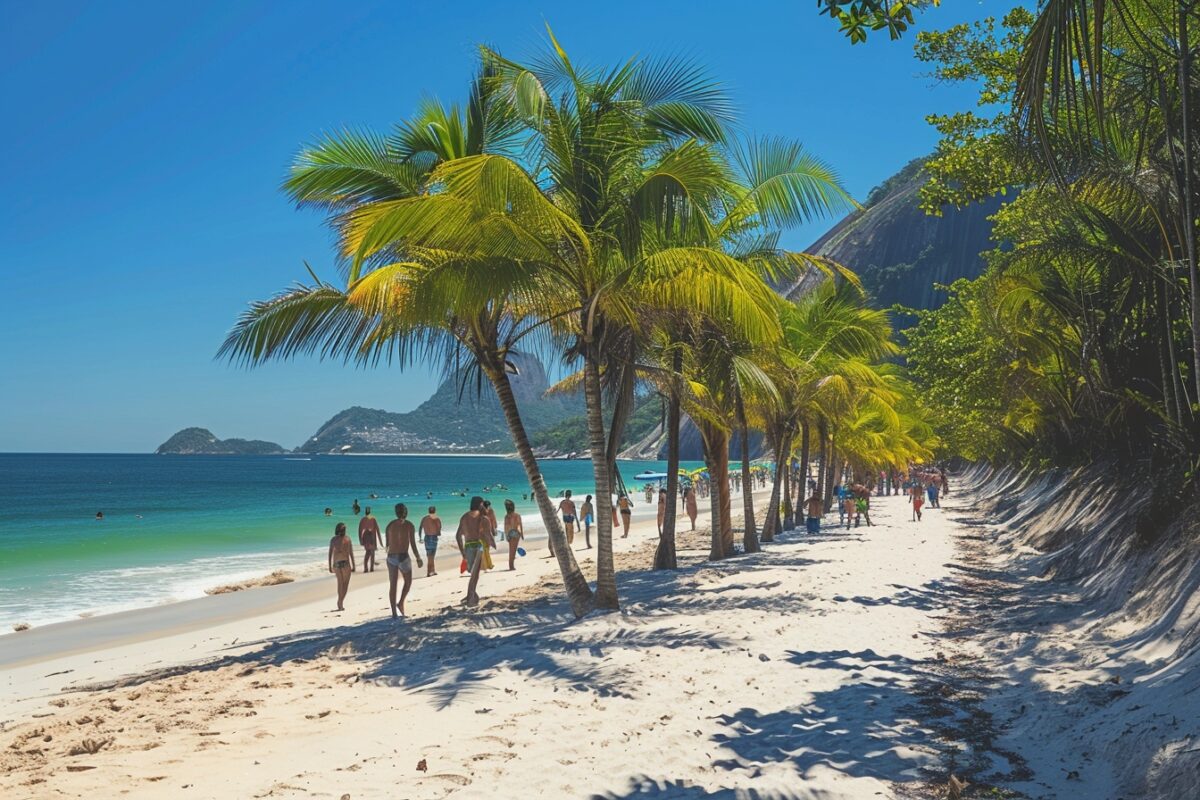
[(176, 525)]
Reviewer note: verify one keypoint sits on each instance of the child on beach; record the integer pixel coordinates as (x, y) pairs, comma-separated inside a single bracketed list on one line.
[(514, 531), (689, 506), (341, 562), (918, 500)]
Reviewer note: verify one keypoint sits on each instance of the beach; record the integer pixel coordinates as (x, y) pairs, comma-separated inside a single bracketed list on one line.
[(176, 527), (791, 664)]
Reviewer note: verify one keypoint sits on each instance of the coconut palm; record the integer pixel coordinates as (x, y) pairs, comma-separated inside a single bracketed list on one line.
[(415, 307), (611, 208), (829, 334)]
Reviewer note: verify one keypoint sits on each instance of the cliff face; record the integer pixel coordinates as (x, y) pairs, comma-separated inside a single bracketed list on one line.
[(446, 422), (899, 251), (201, 441)]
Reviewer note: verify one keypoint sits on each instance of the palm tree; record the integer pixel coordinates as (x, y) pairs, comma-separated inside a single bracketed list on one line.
[(829, 335), (609, 213), (416, 308)]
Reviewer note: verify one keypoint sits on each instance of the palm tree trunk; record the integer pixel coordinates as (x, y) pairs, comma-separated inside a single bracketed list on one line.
[(579, 594), (831, 473), (664, 556), (769, 520), (804, 453), (750, 536), (789, 520), (823, 487), (606, 576), (716, 443)]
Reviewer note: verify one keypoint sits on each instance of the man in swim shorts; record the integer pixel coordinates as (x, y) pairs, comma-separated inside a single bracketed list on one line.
[(567, 508), (401, 537), (369, 538), (474, 536), (431, 529)]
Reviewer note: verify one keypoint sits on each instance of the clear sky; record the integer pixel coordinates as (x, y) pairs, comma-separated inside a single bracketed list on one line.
[(144, 143)]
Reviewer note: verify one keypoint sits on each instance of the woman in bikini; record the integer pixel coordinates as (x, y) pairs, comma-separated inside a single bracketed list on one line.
[(341, 562), (514, 532), (625, 506)]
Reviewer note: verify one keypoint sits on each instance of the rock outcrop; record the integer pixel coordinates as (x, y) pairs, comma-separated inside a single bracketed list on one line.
[(201, 441)]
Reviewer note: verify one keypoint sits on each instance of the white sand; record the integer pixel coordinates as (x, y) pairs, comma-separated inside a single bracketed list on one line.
[(796, 672), (872, 663)]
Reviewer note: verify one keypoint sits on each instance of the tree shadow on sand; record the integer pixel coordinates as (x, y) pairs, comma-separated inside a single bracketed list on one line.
[(646, 787)]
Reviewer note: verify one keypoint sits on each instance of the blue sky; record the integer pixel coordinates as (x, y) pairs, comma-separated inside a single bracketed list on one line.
[(144, 144)]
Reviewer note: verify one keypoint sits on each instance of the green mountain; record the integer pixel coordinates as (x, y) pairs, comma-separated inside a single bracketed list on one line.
[(201, 441), (450, 421), (570, 435)]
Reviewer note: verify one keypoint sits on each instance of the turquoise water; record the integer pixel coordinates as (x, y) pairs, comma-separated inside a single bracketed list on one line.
[(176, 525)]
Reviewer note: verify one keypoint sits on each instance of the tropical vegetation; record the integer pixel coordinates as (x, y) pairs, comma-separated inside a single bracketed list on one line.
[(614, 218), (1082, 339)]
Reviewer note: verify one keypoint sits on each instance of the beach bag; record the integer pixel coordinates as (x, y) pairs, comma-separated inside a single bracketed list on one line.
[(521, 551)]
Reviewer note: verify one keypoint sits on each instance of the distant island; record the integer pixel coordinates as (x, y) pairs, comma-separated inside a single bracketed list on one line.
[(201, 441)]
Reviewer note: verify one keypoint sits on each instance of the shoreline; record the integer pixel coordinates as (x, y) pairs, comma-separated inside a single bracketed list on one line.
[(181, 549), (79, 636)]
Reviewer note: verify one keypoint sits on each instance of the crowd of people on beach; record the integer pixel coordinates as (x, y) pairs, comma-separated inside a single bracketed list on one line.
[(479, 531), (852, 497)]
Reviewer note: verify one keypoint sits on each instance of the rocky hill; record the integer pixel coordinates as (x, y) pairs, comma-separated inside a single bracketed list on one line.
[(201, 441), (450, 421), (899, 251)]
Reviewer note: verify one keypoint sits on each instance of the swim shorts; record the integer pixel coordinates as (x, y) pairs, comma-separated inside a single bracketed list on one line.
[(401, 562)]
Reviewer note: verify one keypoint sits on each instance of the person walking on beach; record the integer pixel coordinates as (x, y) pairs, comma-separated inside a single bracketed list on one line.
[(848, 507), (567, 509), (431, 529), (401, 537), (474, 536), (918, 499), (662, 509), (625, 506), (587, 510), (862, 503), (689, 505), (370, 538), (816, 507), (341, 562), (514, 531)]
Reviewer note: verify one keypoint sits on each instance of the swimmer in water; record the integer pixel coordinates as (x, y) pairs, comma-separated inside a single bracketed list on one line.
[(99, 515)]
